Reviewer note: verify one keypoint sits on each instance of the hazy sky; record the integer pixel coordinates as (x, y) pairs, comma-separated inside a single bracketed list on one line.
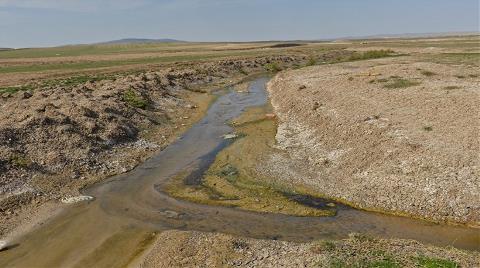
[(25, 23)]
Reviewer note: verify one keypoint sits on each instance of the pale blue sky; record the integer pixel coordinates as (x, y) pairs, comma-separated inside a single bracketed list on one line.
[(26, 23)]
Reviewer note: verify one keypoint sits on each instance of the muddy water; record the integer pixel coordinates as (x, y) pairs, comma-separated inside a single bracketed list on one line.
[(128, 209)]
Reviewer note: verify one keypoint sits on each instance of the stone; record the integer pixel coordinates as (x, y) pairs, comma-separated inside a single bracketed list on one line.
[(76, 199), (3, 245), (230, 136)]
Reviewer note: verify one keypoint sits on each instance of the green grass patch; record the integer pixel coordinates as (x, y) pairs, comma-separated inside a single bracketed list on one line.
[(401, 83), (427, 262), (134, 99)]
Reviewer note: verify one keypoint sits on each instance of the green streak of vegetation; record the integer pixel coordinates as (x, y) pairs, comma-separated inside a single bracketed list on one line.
[(451, 87), (427, 262), (371, 54), (134, 99), (401, 83), (12, 90)]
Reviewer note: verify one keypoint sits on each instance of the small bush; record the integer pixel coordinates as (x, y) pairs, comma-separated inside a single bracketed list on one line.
[(428, 73), (134, 99), (272, 67), (328, 245), (427, 128), (460, 76), (242, 71), (311, 61), (401, 83), (427, 262), (19, 161)]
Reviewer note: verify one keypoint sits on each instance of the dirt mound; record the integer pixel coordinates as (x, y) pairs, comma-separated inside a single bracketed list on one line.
[(384, 135)]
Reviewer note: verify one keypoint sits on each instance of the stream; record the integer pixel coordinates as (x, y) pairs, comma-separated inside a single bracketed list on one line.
[(135, 202)]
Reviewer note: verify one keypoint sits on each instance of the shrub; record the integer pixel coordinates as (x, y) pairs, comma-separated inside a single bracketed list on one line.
[(311, 61), (134, 99), (272, 67), (428, 73)]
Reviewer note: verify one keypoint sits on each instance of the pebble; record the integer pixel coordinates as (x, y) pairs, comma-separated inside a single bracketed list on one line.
[(230, 136), (76, 199), (3, 245)]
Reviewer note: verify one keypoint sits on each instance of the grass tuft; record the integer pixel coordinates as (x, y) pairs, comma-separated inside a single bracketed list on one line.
[(134, 99), (401, 83), (428, 73), (272, 67), (311, 61)]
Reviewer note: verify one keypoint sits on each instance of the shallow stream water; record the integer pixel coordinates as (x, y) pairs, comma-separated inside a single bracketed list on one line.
[(128, 207)]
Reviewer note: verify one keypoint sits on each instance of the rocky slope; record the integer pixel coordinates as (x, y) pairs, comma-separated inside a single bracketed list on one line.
[(389, 135)]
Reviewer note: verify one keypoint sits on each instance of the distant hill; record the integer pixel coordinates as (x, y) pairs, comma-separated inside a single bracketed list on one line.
[(5, 48), (140, 40)]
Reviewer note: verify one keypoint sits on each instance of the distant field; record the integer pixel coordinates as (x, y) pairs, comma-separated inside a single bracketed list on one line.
[(21, 66)]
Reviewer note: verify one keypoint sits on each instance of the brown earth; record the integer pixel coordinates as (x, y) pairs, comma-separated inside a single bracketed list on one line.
[(391, 135)]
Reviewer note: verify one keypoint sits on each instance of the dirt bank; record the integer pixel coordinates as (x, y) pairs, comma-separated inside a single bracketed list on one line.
[(194, 249), (389, 135)]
